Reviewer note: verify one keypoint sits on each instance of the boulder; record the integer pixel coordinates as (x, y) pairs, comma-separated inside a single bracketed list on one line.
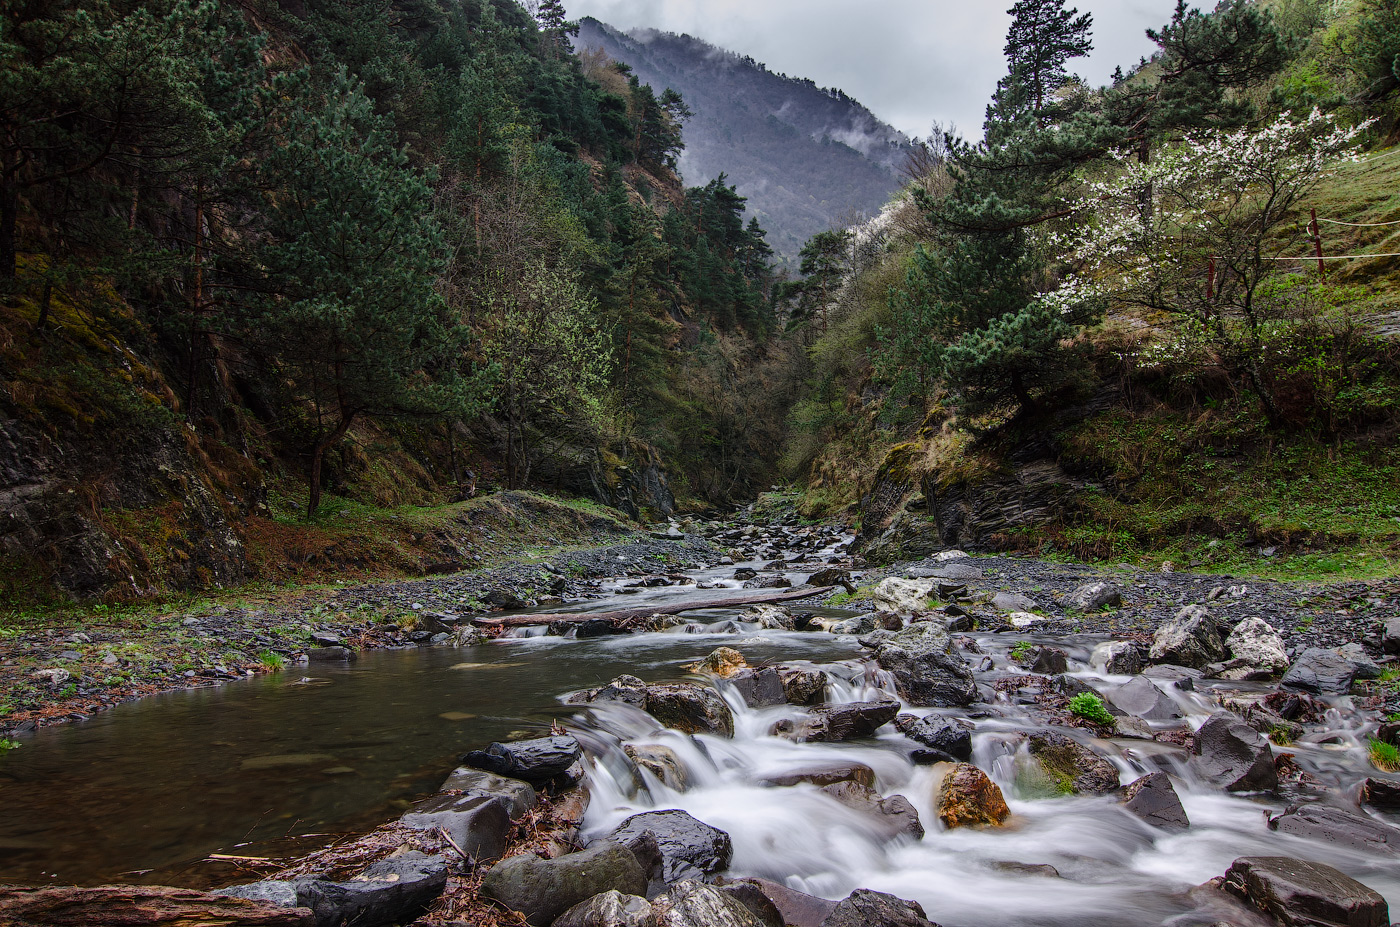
[(393, 890), (1362, 665), (1321, 671), (803, 686), (1303, 894), (543, 889), (895, 814), (1141, 699), (331, 655), (1014, 602), (690, 849), (864, 908), (756, 900), (1256, 642), (1050, 661), (759, 688), (1390, 636), (1091, 597), (926, 671), (662, 762), (1192, 638), (771, 617), (723, 662), (836, 723), (860, 624), (1153, 799), (1338, 827), (519, 796), (609, 909), (947, 736), (832, 576), (902, 596), (824, 774), (695, 904), (1232, 755), (686, 707), (506, 599), (1071, 767), (535, 761), (968, 797), (480, 824), (1120, 658), (1381, 794)]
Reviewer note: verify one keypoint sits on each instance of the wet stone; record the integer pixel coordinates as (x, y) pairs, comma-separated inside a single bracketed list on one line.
[(543, 889), (950, 737), (1338, 827), (519, 796), (1321, 671), (1154, 799), (1071, 766), (853, 720), (1233, 755), (690, 848), (1191, 638), (968, 797), (478, 823), (1381, 794), (824, 774), (693, 904), (864, 908), (1141, 699), (537, 760), (1296, 893), (895, 814)]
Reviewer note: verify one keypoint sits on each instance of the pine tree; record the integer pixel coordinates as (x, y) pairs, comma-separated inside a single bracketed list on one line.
[(1044, 36)]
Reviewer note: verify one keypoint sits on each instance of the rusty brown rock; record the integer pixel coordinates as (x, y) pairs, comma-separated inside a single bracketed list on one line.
[(967, 797)]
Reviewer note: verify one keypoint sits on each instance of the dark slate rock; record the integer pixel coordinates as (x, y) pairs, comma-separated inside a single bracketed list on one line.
[(756, 900), (269, 891), (331, 655), (803, 686), (895, 815), (1191, 638), (836, 723), (759, 688), (1091, 597), (1050, 661), (1390, 636), (1339, 827), (1233, 755), (690, 849), (952, 738), (824, 774), (391, 891), (1124, 658), (1069, 763), (519, 796), (931, 678), (537, 760), (1322, 671), (1141, 699), (1153, 799), (864, 908), (797, 909), (1381, 794), (690, 708), (478, 823), (1303, 894), (543, 889)]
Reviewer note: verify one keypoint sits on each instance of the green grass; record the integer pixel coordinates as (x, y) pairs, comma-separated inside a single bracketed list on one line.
[(1023, 651), (1384, 756), (6, 745), (272, 660), (1090, 707)]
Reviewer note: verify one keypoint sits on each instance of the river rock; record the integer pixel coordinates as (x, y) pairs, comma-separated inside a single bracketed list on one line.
[(952, 737), (860, 624), (1119, 658), (902, 596), (755, 899), (803, 686), (1322, 671), (1153, 799), (1091, 597), (506, 599), (832, 576), (1390, 636), (1256, 642), (1050, 661), (143, 906), (1191, 638), (864, 908), (690, 849), (968, 797), (690, 708), (543, 889), (895, 814), (1014, 602), (759, 688), (723, 662), (1072, 767), (478, 823), (837, 723), (391, 891), (519, 796), (536, 761), (1304, 894), (610, 909), (824, 774), (694, 904), (926, 671), (796, 909), (1141, 699), (662, 762), (1381, 794), (1362, 665), (1233, 755), (330, 655), (1338, 827), (771, 617)]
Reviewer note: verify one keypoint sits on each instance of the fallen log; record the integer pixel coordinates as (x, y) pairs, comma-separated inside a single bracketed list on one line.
[(140, 906), (626, 615)]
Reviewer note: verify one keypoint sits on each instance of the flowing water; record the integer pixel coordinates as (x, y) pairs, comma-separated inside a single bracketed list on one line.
[(147, 791)]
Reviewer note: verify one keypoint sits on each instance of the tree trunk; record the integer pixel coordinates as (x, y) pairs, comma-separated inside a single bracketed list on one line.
[(318, 455), (9, 219), (140, 906), (626, 616)]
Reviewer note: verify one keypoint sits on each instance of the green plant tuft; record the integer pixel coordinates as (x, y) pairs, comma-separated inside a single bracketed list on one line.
[(272, 660), (1384, 756), (1090, 707), (6, 745)]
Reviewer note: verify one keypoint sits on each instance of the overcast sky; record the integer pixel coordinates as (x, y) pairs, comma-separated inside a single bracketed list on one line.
[(912, 62)]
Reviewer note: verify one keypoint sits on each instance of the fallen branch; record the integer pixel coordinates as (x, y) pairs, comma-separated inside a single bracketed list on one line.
[(627, 615)]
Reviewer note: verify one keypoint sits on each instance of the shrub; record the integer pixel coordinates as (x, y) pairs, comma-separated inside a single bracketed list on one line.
[(1090, 707)]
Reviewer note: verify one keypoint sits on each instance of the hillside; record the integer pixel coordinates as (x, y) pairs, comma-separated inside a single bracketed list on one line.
[(807, 158)]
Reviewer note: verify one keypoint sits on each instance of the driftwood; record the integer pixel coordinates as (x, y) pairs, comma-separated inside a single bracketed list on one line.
[(626, 616), (139, 906)]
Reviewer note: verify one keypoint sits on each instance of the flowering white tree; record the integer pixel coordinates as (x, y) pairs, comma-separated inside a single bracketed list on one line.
[(1206, 233)]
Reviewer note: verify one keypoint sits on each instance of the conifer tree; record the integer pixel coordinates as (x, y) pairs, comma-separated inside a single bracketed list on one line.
[(1044, 36)]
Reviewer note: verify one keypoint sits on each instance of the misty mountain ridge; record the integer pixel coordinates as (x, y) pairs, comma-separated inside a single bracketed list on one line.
[(808, 158)]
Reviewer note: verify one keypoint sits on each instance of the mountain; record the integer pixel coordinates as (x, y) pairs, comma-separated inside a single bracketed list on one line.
[(808, 158)]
